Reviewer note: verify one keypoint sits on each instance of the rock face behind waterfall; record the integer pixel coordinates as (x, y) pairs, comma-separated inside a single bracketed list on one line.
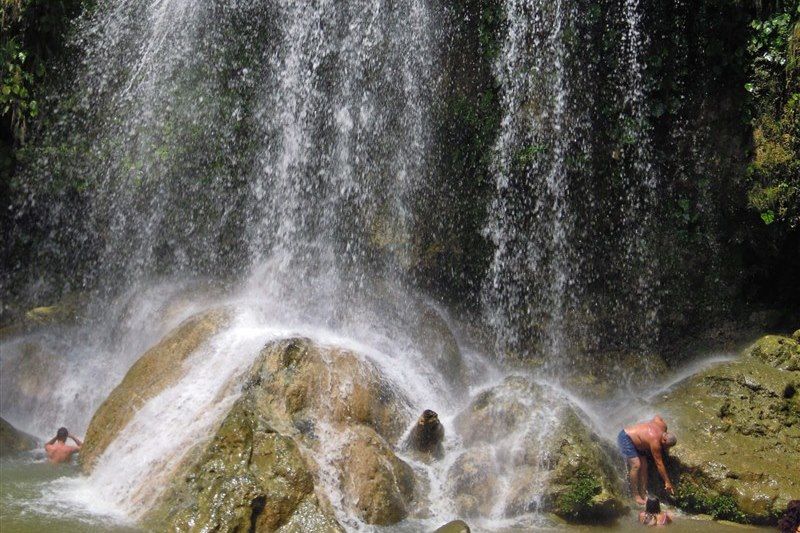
[(738, 428), (258, 473), (13, 440), (566, 472), (158, 368)]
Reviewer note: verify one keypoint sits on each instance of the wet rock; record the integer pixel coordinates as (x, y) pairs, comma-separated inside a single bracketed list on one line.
[(436, 339), (533, 437), (473, 483), (427, 436), (158, 368), (249, 478), (584, 484), (298, 401), (67, 311), (775, 350), (302, 384), (377, 485), (456, 526), (500, 411), (13, 440), (738, 428)]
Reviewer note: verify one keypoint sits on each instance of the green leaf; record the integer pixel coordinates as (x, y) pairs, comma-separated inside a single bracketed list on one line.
[(768, 217)]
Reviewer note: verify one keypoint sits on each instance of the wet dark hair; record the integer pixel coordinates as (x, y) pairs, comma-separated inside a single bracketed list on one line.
[(428, 414), (653, 506), (62, 434), (790, 520)]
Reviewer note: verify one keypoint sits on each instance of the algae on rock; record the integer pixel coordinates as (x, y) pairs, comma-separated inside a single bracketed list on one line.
[(738, 428)]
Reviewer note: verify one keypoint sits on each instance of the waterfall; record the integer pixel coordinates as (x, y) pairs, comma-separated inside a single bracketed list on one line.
[(531, 228), (573, 254)]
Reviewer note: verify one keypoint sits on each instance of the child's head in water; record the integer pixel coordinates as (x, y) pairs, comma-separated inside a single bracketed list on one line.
[(653, 506)]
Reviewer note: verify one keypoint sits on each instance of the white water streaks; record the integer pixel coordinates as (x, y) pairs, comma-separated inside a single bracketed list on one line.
[(57, 376), (530, 275), (345, 122)]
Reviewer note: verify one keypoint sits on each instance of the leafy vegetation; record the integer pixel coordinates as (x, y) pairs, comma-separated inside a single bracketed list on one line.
[(692, 498), (774, 87), (578, 498)]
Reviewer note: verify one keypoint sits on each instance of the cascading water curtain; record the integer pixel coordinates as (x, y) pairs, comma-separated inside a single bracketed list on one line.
[(221, 137), (530, 284), (576, 188)]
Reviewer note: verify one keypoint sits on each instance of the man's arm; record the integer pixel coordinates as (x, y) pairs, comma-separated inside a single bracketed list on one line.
[(655, 449), (51, 441), (77, 440)]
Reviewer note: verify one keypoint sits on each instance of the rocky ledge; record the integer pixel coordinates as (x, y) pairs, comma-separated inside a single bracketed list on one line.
[(738, 426)]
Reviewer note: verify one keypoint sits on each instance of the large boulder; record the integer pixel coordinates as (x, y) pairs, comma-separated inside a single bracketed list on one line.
[(738, 428), (377, 485), (248, 478), (158, 368), (307, 415), (529, 438), (13, 440)]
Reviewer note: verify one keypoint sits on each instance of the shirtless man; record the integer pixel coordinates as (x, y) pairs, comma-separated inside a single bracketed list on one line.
[(57, 449), (635, 443)]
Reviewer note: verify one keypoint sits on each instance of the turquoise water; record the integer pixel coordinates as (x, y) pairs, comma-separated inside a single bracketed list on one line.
[(32, 490)]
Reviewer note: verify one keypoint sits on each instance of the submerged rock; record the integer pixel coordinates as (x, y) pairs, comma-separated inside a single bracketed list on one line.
[(533, 438), (158, 368), (13, 440), (299, 401), (456, 526), (738, 428)]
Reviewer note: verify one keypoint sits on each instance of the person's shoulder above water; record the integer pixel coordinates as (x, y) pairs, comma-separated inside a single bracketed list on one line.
[(57, 449)]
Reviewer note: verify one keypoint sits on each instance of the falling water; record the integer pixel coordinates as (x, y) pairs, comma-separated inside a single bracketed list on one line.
[(530, 283), (573, 261)]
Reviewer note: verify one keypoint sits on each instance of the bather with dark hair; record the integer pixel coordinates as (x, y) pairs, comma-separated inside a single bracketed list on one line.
[(653, 515), (790, 523), (57, 449)]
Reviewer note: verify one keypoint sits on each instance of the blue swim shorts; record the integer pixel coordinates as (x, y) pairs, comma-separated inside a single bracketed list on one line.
[(626, 445)]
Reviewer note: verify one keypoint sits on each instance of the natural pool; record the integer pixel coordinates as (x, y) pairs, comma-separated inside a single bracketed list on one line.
[(31, 501)]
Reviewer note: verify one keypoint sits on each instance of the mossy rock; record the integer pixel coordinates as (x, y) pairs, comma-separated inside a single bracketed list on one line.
[(778, 351), (160, 367), (738, 428), (584, 485), (570, 474), (456, 526), (249, 478), (258, 473), (13, 440)]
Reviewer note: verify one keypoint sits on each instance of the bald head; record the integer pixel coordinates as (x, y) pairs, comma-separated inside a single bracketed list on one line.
[(669, 440)]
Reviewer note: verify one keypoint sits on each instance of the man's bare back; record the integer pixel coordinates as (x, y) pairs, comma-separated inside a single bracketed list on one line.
[(57, 449), (638, 441), (647, 435)]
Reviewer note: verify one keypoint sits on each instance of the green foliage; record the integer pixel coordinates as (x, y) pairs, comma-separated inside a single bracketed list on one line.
[(774, 172), (577, 500), (32, 33), (693, 498)]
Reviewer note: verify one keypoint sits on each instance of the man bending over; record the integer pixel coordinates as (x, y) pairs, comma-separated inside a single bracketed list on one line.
[(57, 449), (638, 441)]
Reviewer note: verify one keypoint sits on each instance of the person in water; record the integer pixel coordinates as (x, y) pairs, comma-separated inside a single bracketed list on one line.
[(653, 515), (57, 449), (636, 443)]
